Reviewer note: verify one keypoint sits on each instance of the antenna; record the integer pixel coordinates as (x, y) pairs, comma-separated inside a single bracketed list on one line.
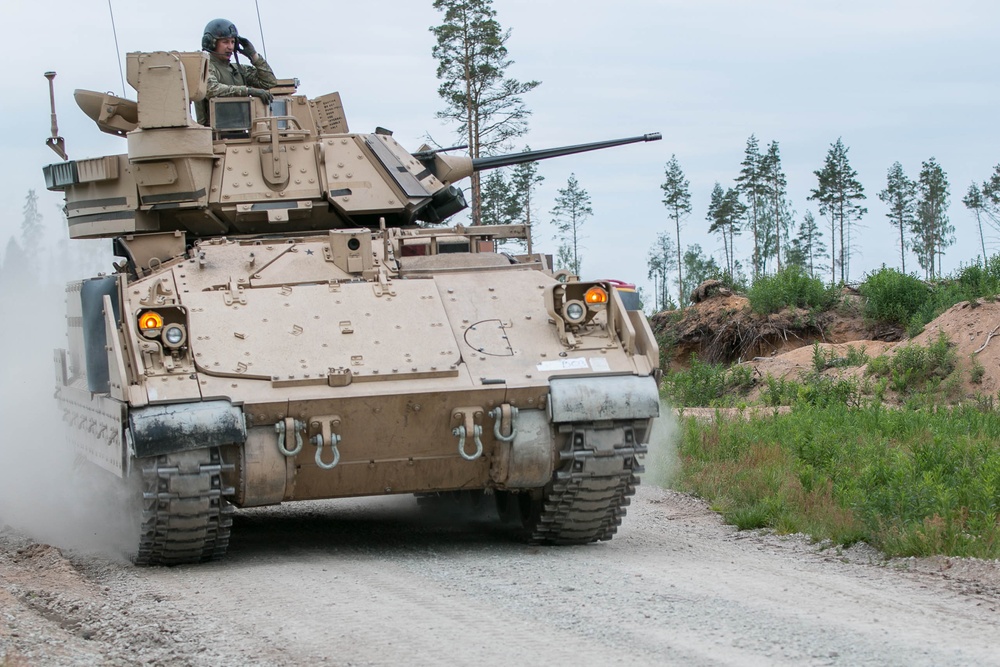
[(263, 47), (55, 142), (118, 52)]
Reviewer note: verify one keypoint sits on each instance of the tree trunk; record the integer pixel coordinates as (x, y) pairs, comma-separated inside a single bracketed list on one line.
[(777, 229), (902, 245), (680, 267), (982, 240)]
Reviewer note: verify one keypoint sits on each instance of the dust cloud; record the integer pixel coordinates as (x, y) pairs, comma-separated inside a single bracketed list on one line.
[(46, 493), (663, 462)]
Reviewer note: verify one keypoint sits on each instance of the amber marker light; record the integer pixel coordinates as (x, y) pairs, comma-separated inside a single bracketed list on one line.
[(150, 320), (596, 295)]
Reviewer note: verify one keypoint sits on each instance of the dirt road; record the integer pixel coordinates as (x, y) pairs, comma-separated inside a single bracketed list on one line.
[(377, 583)]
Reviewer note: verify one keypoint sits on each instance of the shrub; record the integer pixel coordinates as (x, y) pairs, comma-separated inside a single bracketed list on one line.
[(977, 371), (893, 297), (701, 385), (914, 366), (780, 391), (820, 360), (855, 356), (980, 280), (790, 287), (823, 359), (705, 385)]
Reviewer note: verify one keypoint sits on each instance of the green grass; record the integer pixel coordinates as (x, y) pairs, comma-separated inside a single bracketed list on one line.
[(908, 482)]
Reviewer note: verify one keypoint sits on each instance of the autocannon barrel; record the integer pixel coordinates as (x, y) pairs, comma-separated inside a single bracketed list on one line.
[(496, 161)]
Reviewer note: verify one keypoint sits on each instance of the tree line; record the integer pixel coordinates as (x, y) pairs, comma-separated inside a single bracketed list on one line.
[(29, 259), (487, 109), (757, 206)]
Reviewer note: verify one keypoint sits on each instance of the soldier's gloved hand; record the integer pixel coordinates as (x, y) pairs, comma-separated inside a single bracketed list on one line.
[(244, 46), (264, 96)]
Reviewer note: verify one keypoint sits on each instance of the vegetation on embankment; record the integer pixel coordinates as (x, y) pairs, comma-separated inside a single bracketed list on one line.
[(900, 450), (909, 482)]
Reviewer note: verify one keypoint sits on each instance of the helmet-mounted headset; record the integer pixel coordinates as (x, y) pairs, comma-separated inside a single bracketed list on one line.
[(216, 30)]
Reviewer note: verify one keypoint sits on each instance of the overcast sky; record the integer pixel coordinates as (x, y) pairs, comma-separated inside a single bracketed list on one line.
[(897, 80)]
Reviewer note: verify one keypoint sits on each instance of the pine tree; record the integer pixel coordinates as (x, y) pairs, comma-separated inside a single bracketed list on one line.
[(795, 255), (568, 215), (498, 203), (751, 184), (15, 265), (524, 179), (933, 230), (991, 198), (838, 193), (32, 233), (496, 195), (565, 259), (900, 196), (975, 201), (810, 240), (472, 63), (677, 199), (717, 224), (725, 210), (733, 212), (775, 201), (661, 261), (698, 268)]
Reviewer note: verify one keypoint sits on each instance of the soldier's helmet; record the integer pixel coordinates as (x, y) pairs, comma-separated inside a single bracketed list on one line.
[(215, 30)]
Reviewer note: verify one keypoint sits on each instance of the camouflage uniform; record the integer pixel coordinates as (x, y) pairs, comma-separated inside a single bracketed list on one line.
[(227, 79)]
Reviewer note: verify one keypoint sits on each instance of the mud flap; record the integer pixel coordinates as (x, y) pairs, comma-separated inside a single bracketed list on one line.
[(164, 429), (596, 399)]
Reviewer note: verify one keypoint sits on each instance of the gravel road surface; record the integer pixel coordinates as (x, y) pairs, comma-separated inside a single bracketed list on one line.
[(378, 582)]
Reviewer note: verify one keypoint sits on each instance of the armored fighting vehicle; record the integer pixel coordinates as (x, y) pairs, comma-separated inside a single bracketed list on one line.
[(290, 321)]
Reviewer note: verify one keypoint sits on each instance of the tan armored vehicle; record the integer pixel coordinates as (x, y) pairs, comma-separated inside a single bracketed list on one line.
[(283, 326)]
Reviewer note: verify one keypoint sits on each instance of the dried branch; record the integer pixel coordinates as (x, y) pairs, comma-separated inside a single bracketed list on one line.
[(991, 335)]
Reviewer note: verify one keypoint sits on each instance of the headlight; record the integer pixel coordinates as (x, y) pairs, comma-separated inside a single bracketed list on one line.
[(575, 312), (174, 335)]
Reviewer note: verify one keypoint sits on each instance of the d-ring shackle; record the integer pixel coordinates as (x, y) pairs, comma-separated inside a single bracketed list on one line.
[(283, 427), (326, 435)]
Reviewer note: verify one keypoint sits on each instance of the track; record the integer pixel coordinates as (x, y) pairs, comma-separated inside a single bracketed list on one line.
[(185, 518), (586, 501)]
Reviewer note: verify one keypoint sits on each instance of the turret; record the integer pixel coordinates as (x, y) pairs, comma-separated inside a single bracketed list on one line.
[(291, 167)]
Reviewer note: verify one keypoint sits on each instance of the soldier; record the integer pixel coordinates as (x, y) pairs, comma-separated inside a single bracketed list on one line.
[(226, 79)]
